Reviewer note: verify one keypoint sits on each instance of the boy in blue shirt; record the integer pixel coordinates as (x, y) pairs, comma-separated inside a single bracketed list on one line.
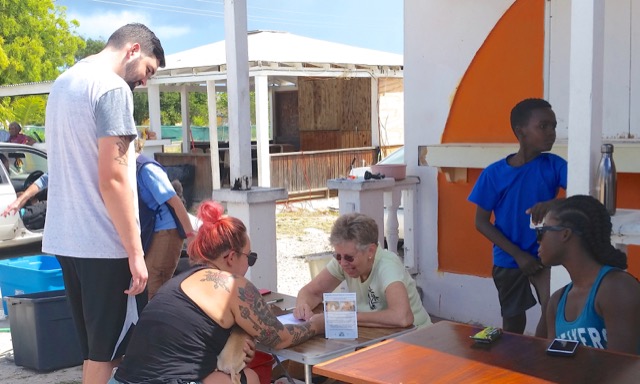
[(522, 184)]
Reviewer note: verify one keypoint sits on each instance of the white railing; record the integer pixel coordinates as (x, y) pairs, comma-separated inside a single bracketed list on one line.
[(373, 197)]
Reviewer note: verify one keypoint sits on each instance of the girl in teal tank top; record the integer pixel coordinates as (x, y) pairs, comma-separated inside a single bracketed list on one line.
[(601, 306)]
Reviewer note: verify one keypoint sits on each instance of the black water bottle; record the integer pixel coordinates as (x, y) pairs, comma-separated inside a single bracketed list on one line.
[(606, 179)]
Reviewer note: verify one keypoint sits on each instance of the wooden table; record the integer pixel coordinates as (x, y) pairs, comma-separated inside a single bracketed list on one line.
[(443, 353), (319, 348)]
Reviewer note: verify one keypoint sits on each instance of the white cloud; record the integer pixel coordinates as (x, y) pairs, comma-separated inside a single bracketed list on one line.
[(102, 24), (169, 32)]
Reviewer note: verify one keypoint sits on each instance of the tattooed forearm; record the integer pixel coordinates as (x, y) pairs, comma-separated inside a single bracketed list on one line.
[(267, 326), (218, 279), (123, 146), (269, 336), (300, 333), (252, 297), (260, 318)]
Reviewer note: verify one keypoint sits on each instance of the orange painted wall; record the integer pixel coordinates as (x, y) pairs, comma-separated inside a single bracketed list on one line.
[(506, 69), (629, 197)]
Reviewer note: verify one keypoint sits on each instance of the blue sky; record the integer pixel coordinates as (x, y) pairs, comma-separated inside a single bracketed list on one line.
[(184, 24)]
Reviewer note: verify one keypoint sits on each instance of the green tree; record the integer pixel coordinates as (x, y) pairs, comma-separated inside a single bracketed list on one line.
[(222, 106), (198, 110), (36, 41), (170, 108), (36, 44), (91, 47), (29, 110), (141, 108)]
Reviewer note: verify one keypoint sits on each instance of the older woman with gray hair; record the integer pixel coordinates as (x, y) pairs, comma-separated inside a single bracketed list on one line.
[(385, 292)]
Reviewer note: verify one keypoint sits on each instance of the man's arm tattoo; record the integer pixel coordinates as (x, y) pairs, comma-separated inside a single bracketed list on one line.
[(123, 146)]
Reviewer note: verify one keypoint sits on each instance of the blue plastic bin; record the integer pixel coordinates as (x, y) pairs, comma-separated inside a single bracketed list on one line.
[(29, 274)]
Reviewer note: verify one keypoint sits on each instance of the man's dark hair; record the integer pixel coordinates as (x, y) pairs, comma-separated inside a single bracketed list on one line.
[(521, 113), (138, 33)]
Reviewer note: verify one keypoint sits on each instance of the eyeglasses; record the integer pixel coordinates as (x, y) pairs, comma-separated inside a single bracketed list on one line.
[(347, 258), (553, 228), (251, 257)]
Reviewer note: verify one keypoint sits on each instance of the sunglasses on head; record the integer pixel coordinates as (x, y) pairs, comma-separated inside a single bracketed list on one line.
[(347, 258), (251, 257), (540, 231)]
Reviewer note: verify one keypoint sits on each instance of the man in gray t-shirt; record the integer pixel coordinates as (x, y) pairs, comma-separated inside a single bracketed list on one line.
[(92, 215)]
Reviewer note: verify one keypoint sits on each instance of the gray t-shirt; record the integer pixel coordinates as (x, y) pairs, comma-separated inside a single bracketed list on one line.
[(87, 102)]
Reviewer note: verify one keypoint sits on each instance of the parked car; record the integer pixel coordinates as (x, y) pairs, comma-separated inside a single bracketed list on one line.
[(24, 164), (21, 165), (397, 157)]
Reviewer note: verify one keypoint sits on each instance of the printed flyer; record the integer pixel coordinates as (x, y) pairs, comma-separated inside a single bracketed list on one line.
[(340, 316)]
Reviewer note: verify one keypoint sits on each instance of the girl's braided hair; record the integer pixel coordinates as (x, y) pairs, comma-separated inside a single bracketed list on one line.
[(591, 222)]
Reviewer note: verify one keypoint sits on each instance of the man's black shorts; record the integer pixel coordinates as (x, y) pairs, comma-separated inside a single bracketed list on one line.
[(514, 291)]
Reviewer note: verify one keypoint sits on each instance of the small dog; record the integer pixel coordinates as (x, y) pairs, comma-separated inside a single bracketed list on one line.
[(231, 358)]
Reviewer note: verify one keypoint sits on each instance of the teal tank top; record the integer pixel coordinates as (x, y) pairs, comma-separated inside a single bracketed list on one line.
[(589, 328)]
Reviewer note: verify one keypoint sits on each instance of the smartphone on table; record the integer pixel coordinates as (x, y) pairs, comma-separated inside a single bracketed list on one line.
[(560, 347)]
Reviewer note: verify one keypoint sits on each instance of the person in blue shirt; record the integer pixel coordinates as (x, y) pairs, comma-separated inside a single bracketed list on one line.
[(164, 221), (600, 307), (4, 136), (518, 191), (30, 195)]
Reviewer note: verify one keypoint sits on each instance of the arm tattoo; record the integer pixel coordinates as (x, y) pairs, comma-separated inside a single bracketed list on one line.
[(123, 146), (218, 279), (265, 322), (300, 333)]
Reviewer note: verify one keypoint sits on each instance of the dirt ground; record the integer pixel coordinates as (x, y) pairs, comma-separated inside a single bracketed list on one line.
[(302, 231)]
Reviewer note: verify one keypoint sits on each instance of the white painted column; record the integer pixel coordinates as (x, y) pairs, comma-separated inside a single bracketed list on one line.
[(585, 94), (262, 129), (272, 112), (255, 207), (257, 210), (363, 196), (153, 96), (375, 113), (236, 46), (585, 105), (184, 111), (213, 133)]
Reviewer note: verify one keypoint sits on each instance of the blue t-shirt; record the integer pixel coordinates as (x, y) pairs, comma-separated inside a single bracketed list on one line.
[(155, 190), (509, 191), (42, 182), (589, 327)]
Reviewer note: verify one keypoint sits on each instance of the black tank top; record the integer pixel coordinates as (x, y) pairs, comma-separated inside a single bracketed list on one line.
[(174, 341)]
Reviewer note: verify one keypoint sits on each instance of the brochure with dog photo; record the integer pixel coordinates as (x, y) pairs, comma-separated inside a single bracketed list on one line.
[(340, 316)]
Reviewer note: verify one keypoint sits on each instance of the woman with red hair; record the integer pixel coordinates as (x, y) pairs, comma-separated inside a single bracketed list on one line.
[(183, 329)]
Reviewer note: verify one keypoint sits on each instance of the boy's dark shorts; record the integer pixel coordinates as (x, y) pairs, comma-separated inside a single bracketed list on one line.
[(514, 291)]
